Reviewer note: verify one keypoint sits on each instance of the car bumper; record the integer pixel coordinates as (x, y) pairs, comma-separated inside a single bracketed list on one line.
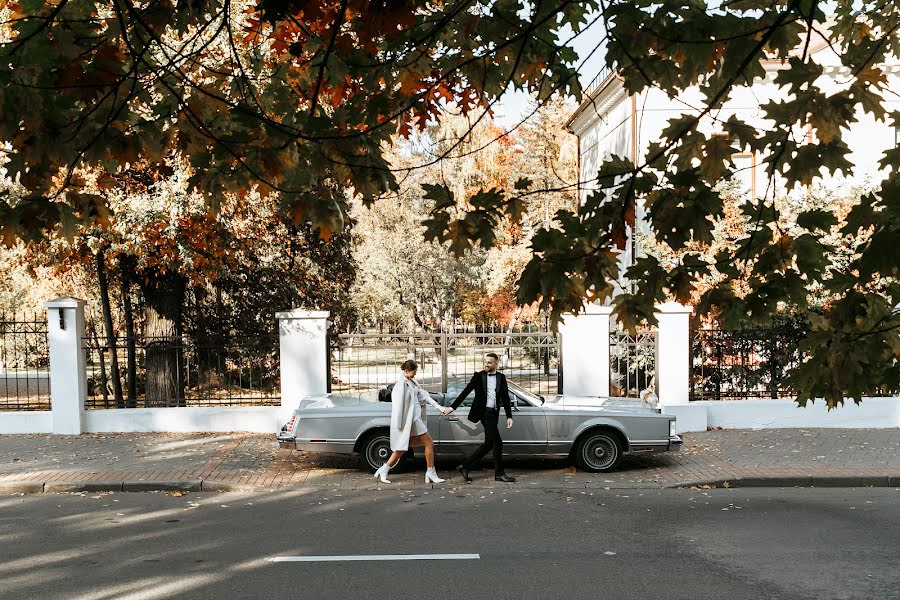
[(672, 444), (309, 446)]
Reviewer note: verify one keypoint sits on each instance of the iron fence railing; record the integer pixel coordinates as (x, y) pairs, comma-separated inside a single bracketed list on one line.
[(362, 362), (530, 358), (744, 364), (24, 363), (184, 371), (632, 362), (597, 81)]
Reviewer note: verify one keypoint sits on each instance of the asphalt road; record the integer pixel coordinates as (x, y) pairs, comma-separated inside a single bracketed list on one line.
[(733, 544)]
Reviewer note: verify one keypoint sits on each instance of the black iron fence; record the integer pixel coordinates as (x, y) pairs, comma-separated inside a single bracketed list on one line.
[(24, 363), (632, 362), (183, 371), (744, 364), (365, 362)]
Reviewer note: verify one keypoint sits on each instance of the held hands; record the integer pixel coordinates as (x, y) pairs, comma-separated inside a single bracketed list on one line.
[(446, 411), (509, 423)]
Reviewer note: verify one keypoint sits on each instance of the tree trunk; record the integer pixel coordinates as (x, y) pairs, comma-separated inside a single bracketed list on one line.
[(131, 402), (164, 296), (108, 326)]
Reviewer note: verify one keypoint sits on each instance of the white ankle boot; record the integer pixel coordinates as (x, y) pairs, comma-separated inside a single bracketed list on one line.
[(382, 473), (431, 476)]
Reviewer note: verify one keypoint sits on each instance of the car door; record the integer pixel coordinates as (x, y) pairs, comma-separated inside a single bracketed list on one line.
[(459, 436), (434, 419), (528, 435)]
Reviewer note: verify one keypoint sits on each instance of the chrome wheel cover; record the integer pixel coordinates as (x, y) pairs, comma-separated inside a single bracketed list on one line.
[(378, 450), (599, 452)]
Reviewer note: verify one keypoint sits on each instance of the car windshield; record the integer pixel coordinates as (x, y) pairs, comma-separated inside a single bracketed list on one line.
[(457, 384), (533, 398)]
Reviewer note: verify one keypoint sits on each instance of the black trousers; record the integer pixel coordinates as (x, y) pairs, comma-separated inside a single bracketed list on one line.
[(492, 441)]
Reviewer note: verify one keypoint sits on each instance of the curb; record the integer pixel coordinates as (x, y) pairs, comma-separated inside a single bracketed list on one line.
[(21, 487), (815, 481), (70, 487), (193, 485), (202, 485)]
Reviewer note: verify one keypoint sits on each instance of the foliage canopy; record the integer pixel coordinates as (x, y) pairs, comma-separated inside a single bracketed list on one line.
[(302, 97)]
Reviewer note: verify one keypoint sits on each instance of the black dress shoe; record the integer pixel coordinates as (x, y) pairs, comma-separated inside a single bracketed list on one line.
[(465, 473), (504, 477)]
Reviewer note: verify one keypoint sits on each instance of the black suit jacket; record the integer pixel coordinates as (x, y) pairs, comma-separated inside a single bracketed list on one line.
[(479, 384)]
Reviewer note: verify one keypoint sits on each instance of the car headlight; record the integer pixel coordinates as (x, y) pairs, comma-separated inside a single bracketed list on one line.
[(672, 427)]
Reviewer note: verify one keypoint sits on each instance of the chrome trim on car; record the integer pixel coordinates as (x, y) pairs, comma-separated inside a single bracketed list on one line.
[(336, 447)]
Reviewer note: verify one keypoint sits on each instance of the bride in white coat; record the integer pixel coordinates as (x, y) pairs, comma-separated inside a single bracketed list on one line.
[(408, 418)]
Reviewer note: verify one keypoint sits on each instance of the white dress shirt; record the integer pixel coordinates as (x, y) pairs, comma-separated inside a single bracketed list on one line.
[(492, 390)]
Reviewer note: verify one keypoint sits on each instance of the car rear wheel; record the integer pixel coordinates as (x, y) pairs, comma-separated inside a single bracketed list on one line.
[(375, 449), (598, 452)]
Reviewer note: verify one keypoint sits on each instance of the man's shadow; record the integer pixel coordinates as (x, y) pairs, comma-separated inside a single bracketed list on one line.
[(468, 426)]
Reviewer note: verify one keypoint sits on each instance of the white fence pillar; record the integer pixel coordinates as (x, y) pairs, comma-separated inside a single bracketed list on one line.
[(68, 374), (673, 353), (303, 346), (585, 351), (673, 367)]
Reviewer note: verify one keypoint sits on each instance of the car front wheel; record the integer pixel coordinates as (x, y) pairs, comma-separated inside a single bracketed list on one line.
[(599, 452)]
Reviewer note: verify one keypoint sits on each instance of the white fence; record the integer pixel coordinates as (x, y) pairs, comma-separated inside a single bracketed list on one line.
[(585, 358)]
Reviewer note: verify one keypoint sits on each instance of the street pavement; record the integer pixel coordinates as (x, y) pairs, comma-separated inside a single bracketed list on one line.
[(233, 462), (518, 543)]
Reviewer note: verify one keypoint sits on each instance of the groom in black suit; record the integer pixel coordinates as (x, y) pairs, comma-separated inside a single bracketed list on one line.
[(490, 392)]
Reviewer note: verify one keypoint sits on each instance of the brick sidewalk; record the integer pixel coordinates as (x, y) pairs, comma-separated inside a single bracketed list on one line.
[(825, 457)]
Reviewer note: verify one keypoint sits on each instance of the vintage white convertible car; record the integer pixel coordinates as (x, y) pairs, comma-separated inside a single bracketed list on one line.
[(594, 432)]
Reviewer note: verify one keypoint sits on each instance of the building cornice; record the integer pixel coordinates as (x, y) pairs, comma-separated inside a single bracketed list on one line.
[(606, 93), (610, 92)]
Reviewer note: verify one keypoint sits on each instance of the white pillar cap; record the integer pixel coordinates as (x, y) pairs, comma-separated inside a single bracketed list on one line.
[(596, 309), (299, 313), (674, 308), (64, 302)]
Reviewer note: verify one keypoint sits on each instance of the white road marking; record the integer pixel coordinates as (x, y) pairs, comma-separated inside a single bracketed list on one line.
[(342, 558)]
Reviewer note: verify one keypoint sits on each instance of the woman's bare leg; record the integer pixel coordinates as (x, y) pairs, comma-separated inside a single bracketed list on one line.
[(394, 458), (426, 441)]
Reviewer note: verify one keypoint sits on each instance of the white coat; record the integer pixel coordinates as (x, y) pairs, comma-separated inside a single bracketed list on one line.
[(408, 402)]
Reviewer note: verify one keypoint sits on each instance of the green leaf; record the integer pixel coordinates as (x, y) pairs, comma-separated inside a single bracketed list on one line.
[(440, 194), (817, 220)]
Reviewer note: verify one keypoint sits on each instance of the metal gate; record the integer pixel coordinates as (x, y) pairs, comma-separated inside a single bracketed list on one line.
[(24, 363), (360, 362)]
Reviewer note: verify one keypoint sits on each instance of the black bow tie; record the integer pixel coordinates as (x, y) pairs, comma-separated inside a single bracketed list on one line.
[(491, 374)]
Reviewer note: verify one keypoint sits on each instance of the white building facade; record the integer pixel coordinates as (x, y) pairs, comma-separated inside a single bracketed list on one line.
[(612, 122)]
